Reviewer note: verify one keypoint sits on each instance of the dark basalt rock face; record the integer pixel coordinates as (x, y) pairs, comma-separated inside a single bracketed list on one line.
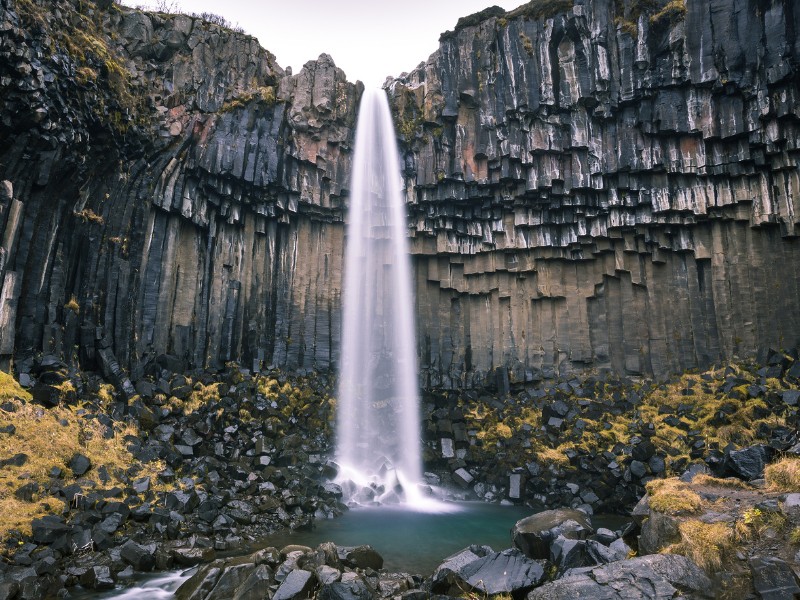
[(583, 197), (579, 197), (207, 225)]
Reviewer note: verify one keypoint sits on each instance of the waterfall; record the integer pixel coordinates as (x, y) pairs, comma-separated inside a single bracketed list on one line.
[(378, 424)]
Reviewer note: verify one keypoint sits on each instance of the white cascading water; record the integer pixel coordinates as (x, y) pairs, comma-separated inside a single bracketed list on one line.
[(378, 424)]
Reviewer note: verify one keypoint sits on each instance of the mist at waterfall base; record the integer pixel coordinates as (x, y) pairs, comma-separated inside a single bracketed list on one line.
[(378, 426)]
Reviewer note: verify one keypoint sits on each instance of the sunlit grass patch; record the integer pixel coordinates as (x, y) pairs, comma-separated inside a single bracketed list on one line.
[(783, 475), (673, 497), (708, 545), (49, 438)]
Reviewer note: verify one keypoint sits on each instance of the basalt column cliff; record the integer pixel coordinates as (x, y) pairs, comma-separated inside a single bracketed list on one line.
[(589, 186), (605, 188), (175, 193)]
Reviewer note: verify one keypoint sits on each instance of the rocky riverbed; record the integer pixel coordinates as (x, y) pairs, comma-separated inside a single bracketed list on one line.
[(197, 464)]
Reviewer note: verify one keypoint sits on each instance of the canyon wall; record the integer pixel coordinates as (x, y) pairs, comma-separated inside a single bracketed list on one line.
[(584, 193), (586, 190), (197, 213)]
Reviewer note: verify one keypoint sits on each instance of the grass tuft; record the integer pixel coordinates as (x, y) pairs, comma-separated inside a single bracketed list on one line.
[(783, 475), (709, 545), (673, 497), (10, 389), (728, 482)]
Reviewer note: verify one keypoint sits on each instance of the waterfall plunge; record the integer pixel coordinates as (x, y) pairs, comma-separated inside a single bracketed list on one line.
[(378, 425)]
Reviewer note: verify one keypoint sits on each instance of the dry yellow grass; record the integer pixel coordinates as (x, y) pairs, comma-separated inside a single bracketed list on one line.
[(202, 395), (673, 497), (551, 456), (49, 438), (728, 482), (709, 545), (783, 475), (9, 388)]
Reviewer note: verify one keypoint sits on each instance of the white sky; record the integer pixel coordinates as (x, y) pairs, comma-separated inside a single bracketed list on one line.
[(368, 39)]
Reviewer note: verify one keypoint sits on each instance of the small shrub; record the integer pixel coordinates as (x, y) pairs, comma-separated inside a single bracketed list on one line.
[(672, 11), (87, 215), (783, 475), (263, 94), (201, 395), (542, 9), (755, 523), (106, 394), (73, 305), (552, 456)]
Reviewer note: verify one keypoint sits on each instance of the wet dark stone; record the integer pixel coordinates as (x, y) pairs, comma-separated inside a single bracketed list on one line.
[(49, 529), (17, 460), (361, 557), (773, 578), (139, 557), (504, 572), (80, 464), (533, 535), (27, 492), (749, 463)]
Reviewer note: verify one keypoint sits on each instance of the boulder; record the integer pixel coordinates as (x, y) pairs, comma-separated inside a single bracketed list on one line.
[(80, 464), (533, 535), (773, 578), (326, 574), (17, 460), (139, 557), (298, 584), (601, 555), (506, 572), (446, 573), (49, 529), (653, 577), (791, 506), (27, 492), (182, 501), (360, 557), (567, 554), (255, 584), (658, 531), (355, 589), (749, 463), (791, 397), (218, 580), (97, 577)]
